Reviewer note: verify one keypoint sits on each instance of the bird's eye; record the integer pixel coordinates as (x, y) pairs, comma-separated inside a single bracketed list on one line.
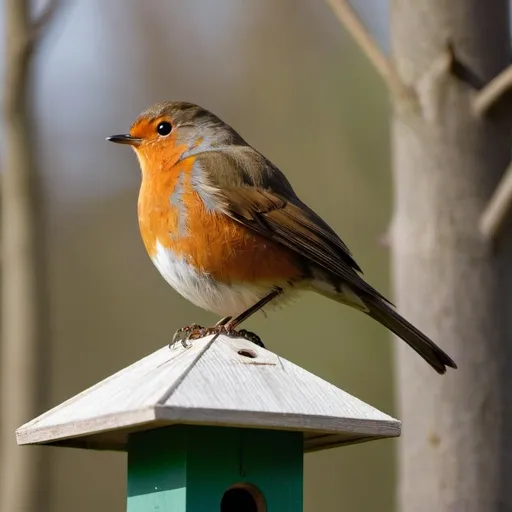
[(164, 128)]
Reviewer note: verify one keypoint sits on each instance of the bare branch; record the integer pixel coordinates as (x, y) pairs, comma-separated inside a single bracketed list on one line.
[(40, 24), (493, 92), (349, 19), (498, 208)]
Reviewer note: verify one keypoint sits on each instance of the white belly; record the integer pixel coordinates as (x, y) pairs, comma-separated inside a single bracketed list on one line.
[(202, 290)]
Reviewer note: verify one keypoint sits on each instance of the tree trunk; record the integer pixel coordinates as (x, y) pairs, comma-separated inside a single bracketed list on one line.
[(24, 315), (456, 449)]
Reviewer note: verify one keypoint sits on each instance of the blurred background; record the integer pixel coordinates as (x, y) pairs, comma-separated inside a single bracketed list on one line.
[(293, 83)]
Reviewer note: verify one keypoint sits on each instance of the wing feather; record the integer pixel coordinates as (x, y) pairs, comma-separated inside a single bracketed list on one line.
[(265, 202)]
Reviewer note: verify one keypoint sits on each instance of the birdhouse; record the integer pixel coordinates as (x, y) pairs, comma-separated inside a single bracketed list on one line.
[(221, 425)]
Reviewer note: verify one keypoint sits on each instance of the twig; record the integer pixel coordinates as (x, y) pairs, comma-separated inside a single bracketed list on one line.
[(493, 92), (39, 25), (498, 208), (349, 19)]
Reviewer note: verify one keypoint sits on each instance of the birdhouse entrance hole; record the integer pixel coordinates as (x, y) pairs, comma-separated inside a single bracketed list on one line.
[(243, 497)]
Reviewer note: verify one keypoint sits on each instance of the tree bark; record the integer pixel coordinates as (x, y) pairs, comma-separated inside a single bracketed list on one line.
[(455, 453), (24, 304)]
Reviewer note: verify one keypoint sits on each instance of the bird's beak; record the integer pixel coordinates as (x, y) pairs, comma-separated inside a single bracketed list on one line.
[(125, 139)]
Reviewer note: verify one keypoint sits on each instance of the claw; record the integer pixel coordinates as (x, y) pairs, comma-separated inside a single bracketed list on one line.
[(186, 334)]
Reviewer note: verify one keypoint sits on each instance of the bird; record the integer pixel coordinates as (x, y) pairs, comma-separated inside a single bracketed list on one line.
[(224, 227)]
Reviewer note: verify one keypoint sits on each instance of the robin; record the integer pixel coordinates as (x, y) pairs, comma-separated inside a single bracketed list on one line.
[(225, 229)]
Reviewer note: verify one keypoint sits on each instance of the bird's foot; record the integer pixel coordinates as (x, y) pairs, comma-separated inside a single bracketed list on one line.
[(224, 328), (250, 336), (195, 332), (184, 335)]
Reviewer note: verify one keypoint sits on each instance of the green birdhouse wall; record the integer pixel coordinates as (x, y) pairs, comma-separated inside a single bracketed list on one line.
[(206, 469)]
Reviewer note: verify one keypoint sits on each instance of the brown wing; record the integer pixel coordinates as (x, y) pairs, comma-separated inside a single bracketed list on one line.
[(265, 202)]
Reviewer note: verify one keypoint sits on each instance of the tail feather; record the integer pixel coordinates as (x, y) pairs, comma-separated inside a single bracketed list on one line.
[(425, 347)]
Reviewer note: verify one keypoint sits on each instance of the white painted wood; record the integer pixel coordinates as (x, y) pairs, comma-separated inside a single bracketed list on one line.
[(210, 383)]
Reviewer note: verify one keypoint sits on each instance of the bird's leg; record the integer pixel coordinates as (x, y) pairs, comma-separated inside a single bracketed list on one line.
[(223, 321), (253, 309), (229, 327), (226, 325)]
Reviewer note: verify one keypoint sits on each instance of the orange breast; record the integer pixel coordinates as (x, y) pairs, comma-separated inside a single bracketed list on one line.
[(172, 213)]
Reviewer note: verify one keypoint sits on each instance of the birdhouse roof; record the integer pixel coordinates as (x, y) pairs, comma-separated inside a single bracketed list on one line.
[(217, 381)]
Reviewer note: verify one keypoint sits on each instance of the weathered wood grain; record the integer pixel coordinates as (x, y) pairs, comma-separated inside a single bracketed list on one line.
[(210, 383)]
